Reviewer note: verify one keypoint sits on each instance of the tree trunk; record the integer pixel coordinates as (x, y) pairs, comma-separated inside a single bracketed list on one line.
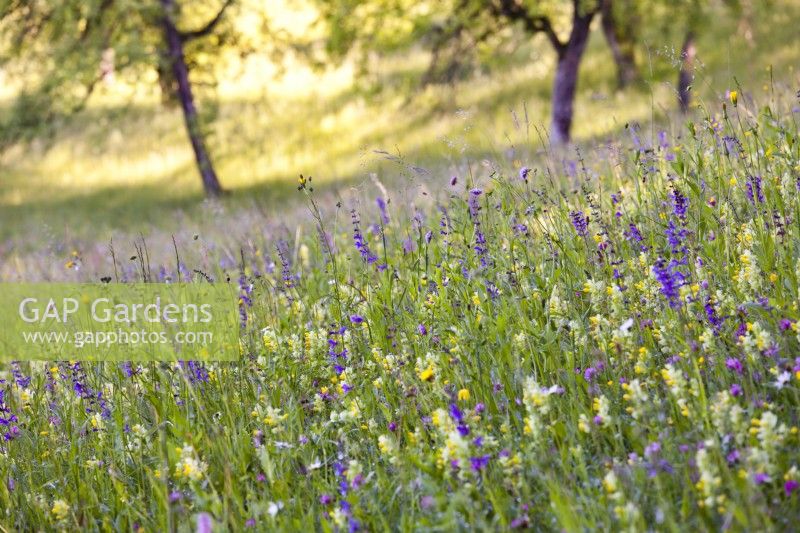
[(620, 38), (566, 79), (686, 75), (166, 82), (181, 72)]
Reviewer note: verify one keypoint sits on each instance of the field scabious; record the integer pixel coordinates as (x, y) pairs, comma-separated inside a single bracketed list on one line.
[(608, 343)]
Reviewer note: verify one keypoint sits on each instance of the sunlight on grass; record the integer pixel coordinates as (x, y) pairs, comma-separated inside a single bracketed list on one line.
[(270, 126)]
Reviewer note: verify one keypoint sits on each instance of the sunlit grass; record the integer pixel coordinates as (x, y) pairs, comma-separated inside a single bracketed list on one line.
[(126, 162)]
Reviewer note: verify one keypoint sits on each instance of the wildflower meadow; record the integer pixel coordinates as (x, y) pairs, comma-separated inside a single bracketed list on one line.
[(595, 341), (399, 265)]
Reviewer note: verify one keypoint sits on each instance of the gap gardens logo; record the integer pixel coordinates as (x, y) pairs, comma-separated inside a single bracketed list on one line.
[(119, 322)]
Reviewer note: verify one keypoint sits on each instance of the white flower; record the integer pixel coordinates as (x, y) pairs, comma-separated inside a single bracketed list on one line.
[(274, 507), (626, 325), (783, 379)]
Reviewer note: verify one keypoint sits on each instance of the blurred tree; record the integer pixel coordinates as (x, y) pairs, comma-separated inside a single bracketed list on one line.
[(687, 18), (451, 28), (64, 48), (620, 21), (680, 21)]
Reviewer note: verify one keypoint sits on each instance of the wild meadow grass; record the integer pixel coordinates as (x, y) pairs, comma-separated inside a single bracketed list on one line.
[(600, 340)]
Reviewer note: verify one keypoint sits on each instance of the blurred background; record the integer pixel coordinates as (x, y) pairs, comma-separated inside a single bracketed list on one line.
[(126, 115)]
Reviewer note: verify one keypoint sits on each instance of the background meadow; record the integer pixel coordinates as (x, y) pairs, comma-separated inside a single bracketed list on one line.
[(447, 322)]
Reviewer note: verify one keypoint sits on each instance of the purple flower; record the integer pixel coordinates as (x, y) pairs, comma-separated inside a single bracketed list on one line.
[(356, 319), (680, 204), (663, 143), (458, 417), (426, 502), (357, 481), (580, 222), (736, 390), (382, 208), (652, 449), (455, 413), (790, 486), (523, 173), (670, 279), (741, 331), (479, 463), (733, 457), (422, 329), (21, 379), (711, 314), (7, 418), (204, 523), (325, 499), (754, 191), (519, 522), (675, 236), (734, 364), (633, 235), (359, 241)]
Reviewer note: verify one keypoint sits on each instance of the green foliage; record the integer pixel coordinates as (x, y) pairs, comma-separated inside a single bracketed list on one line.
[(456, 31), (512, 356), (64, 50)]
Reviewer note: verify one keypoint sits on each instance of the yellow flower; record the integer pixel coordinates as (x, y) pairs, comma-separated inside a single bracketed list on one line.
[(732, 181), (734, 97), (463, 395), (189, 469), (427, 374), (610, 482), (60, 509)]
